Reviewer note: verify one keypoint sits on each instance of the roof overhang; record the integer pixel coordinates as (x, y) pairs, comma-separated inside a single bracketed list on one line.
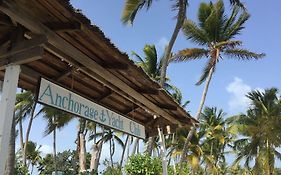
[(60, 44)]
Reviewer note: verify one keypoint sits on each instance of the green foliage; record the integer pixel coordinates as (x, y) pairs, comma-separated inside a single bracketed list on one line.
[(19, 168), (111, 170), (66, 162), (141, 164), (186, 170), (215, 31), (260, 130)]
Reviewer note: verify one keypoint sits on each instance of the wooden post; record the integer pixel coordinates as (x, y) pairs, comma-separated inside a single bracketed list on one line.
[(7, 105), (163, 151)]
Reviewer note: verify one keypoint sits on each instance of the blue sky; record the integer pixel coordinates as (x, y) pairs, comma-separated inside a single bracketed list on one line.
[(232, 78)]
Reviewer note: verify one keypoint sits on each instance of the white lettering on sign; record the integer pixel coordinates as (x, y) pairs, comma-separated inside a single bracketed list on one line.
[(56, 96)]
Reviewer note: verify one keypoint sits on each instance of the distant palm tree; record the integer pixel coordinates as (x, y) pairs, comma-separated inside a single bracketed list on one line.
[(215, 135), (108, 135), (260, 128), (33, 154), (56, 119), (215, 32)]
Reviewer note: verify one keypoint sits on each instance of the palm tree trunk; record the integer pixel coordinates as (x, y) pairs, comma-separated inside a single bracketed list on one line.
[(150, 144), (21, 129), (124, 149), (96, 156), (82, 148), (55, 147), (28, 132), (110, 152), (193, 129), (180, 19), (82, 153), (21, 135), (135, 146), (11, 157)]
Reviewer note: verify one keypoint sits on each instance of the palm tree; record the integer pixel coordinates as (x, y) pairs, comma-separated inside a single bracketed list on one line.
[(56, 119), (105, 136), (215, 32), (260, 129), (81, 144), (25, 106), (216, 134), (129, 13), (152, 65), (33, 154)]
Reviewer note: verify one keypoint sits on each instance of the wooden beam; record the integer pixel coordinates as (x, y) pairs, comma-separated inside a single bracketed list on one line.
[(30, 73), (168, 107), (5, 20), (27, 56), (25, 18), (64, 26), (118, 66), (64, 74), (103, 96), (149, 91), (130, 110), (24, 46)]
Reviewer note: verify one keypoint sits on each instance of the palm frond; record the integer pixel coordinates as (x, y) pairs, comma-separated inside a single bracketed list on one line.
[(237, 3), (213, 25), (190, 54), (230, 44), (194, 33), (243, 54), (203, 13), (210, 65), (236, 28), (131, 8)]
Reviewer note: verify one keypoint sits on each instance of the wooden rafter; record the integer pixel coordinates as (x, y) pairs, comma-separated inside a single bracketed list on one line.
[(64, 26), (167, 106), (64, 74)]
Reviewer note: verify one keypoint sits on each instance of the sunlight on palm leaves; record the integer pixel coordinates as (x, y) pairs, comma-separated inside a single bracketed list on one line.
[(260, 129), (215, 32)]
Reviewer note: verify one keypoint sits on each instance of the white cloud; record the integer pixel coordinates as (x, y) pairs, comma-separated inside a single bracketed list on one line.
[(46, 149), (161, 44), (238, 89)]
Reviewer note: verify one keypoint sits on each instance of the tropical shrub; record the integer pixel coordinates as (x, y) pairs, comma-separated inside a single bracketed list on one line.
[(141, 164)]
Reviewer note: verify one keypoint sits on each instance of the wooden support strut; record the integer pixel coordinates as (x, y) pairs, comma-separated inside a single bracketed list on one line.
[(27, 56), (21, 16)]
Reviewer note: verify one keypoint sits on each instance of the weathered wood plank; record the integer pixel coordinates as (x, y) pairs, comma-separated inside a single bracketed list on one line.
[(64, 26), (26, 56), (24, 45)]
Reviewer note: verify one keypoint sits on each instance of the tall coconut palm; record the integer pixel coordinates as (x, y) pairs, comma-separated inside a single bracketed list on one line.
[(56, 119), (133, 6), (25, 107), (215, 32), (260, 128)]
